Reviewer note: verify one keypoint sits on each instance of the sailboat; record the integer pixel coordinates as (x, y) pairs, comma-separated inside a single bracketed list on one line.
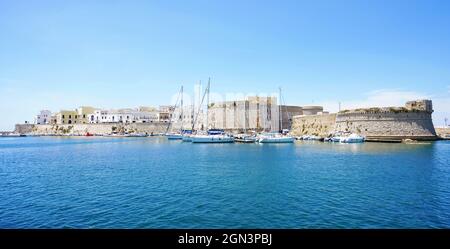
[(176, 135), (213, 135), (187, 135), (275, 137)]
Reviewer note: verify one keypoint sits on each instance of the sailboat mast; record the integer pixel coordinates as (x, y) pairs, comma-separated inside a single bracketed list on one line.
[(207, 102), (193, 112), (280, 115), (182, 109)]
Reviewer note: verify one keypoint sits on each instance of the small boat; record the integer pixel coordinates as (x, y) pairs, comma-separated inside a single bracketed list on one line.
[(352, 138), (178, 135), (115, 135), (213, 136), (275, 138), (245, 138), (13, 135), (174, 136), (138, 135), (89, 134), (336, 139), (212, 139)]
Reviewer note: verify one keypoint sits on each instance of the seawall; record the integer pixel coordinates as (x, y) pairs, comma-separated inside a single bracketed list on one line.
[(82, 129)]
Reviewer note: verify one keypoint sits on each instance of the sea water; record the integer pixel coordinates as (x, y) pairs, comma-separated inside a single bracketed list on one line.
[(96, 182)]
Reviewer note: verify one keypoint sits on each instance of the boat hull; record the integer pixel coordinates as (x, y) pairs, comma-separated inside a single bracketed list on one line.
[(277, 140), (245, 140), (212, 139), (174, 136)]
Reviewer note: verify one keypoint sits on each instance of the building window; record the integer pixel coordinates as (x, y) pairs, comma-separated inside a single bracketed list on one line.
[(62, 116), (76, 116), (70, 116), (84, 115)]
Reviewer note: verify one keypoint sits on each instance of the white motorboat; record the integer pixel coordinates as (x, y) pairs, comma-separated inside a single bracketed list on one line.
[(116, 135), (221, 138), (353, 138), (275, 138), (174, 136), (245, 138), (137, 135), (336, 139)]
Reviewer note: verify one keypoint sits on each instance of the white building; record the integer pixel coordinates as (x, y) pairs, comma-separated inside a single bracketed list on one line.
[(43, 117), (124, 116)]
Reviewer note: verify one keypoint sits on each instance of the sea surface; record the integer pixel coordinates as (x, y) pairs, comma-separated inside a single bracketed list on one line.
[(88, 182)]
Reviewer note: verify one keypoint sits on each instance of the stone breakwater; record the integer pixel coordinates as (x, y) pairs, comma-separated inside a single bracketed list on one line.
[(82, 129), (376, 124)]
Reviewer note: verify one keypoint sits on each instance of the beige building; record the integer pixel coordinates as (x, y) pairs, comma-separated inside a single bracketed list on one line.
[(287, 114), (254, 113), (66, 117), (83, 112), (166, 113), (77, 116)]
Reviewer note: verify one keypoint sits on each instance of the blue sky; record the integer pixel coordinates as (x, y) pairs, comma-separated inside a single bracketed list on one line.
[(110, 54)]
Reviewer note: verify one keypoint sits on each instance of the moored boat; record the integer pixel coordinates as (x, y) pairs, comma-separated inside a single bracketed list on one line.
[(213, 136), (353, 138), (245, 138), (174, 136), (275, 138)]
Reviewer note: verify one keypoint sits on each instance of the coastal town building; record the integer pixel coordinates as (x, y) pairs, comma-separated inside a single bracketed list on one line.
[(139, 115), (66, 117), (83, 112), (43, 117), (166, 113)]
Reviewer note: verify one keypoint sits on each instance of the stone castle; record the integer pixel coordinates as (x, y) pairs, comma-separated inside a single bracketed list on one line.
[(413, 121)]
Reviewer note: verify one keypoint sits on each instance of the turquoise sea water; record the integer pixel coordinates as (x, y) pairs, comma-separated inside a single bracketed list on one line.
[(85, 182)]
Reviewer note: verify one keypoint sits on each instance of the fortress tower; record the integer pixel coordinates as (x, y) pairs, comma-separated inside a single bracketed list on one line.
[(420, 105)]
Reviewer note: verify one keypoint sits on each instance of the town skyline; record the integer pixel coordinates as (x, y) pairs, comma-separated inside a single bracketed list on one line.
[(62, 55)]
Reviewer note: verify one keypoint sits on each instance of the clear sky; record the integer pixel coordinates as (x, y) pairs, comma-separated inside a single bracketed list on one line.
[(63, 54)]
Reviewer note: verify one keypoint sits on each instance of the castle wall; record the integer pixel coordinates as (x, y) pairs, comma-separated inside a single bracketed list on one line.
[(375, 126), (318, 125), (387, 125)]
